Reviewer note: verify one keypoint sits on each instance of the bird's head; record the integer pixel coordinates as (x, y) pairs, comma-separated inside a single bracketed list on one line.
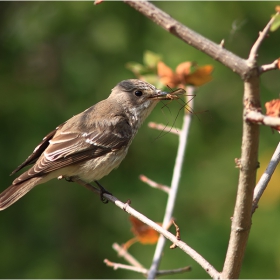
[(137, 97)]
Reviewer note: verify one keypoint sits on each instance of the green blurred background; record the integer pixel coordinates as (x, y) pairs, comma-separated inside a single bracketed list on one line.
[(59, 58)]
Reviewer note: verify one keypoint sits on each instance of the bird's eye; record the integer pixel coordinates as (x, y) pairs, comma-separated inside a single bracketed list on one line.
[(138, 93)]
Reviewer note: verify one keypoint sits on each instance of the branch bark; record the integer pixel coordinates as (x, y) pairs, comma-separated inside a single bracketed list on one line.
[(216, 51), (241, 221)]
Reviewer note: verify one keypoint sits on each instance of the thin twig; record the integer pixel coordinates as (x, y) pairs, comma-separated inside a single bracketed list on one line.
[(178, 235), (154, 184), (163, 127), (268, 67), (259, 118), (125, 266), (262, 35), (144, 270), (265, 178), (128, 257), (174, 186)]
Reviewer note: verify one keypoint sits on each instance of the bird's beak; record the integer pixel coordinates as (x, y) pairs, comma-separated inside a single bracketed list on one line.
[(162, 95)]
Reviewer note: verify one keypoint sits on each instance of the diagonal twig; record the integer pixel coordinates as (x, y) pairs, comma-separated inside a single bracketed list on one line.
[(265, 178), (262, 35), (182, 245)]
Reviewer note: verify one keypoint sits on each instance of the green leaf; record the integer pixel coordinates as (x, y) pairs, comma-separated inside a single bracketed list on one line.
[(276, 24), (151, 59)]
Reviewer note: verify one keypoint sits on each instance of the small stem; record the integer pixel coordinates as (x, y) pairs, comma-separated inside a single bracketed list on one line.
[(174, 187), (265, 178), (124, 254), (259, 118), (262, 35)]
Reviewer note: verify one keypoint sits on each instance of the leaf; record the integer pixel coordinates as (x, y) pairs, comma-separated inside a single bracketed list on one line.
[(276, 23), (183, 70), (273, 110), (166, 75), (136, 68), (144, 233), (151, 59), (200, 76)]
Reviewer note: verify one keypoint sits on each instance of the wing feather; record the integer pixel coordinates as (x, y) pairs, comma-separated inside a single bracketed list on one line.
[(70, 146)]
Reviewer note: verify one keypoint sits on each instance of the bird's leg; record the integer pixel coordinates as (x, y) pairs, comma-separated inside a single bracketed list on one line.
[(102, 191)]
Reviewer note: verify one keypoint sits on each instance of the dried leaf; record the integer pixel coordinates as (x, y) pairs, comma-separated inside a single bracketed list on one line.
[(273, 110), (183, 70), (200, 76), (166, 75), (185, 74), (144, 233)]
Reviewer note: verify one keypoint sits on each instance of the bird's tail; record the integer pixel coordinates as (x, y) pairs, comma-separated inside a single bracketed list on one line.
[(13, 193)]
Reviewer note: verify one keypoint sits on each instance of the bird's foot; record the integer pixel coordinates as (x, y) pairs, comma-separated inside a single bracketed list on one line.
[(102, 191)]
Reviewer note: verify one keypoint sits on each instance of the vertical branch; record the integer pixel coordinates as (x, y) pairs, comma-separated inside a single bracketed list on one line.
[(174, 185), (241, 221)]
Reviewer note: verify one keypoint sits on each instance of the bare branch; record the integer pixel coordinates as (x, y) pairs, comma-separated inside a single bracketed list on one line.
[(265, 178), (259, 118), (154, 184), (262, 35), (125, 266), (187, 249), (144, 270), (128, 257), (216, 51), (241, 221), (174, 185), (163, 127), (268, 67)]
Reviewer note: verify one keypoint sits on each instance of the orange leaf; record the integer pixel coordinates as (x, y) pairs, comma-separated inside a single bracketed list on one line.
[(200, 76), (166, 75), (183, 70), (273, 110), (144, 233)]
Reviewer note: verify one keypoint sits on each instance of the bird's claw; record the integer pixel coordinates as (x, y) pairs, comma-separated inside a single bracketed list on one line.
[(102, 192)]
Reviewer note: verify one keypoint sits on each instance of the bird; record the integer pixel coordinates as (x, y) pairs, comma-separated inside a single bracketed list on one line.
[(91, 144)]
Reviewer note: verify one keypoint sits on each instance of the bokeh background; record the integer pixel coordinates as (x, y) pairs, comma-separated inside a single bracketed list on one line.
[(59, 58)]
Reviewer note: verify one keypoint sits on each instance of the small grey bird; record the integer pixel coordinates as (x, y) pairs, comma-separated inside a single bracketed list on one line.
[(91, 144)]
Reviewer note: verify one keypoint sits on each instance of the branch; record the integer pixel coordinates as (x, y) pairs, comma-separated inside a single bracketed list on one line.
[(265, 178), (182, 245), (272, 66), (123, 253), (262, 35), (163, 127), (259, 118), (241, 222), (216, 51), (145, 271), (174, 186), (154, 184)]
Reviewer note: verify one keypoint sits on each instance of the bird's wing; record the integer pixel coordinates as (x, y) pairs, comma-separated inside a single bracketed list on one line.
[(70, 146), (38, 150)]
